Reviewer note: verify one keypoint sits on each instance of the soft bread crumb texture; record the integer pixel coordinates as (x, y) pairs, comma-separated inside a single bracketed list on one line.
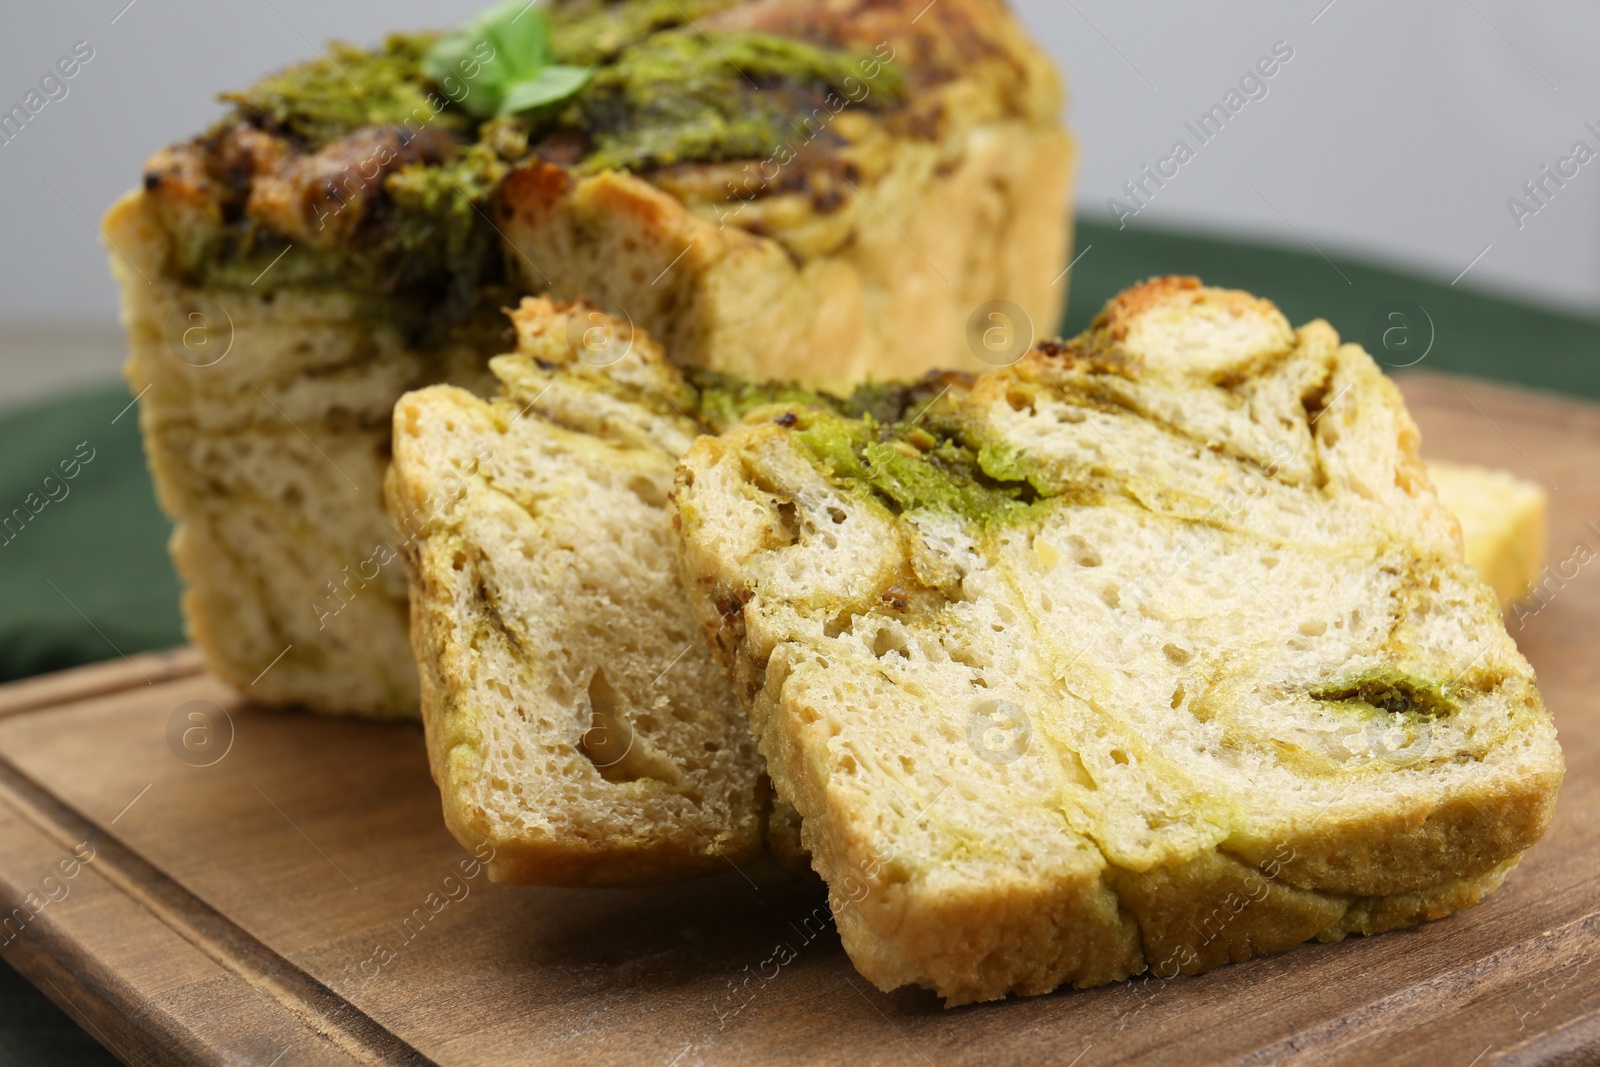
[(1504, 522), (576, 721), (1228, 685)]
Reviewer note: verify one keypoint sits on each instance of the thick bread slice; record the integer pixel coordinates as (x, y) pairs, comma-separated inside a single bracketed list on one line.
[(1153, 651), (1503, 523), (575, 720)]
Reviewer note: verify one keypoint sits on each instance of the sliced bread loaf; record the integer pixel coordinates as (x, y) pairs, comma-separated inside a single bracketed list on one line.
[(1153, 651)]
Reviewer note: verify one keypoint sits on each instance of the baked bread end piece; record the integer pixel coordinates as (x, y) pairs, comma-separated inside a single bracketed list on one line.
[(1504, 521)]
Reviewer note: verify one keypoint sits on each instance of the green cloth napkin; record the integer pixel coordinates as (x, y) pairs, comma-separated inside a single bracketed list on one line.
[(88, 577)]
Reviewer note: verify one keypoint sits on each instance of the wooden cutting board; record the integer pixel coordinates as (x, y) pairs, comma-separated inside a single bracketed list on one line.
[(297, 900)]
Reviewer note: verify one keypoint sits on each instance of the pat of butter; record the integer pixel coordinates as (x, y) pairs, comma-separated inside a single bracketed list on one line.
[(1503, 522)]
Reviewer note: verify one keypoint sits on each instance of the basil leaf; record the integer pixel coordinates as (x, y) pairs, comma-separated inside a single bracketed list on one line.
[(553, 83), (521, 36), (477, 63)]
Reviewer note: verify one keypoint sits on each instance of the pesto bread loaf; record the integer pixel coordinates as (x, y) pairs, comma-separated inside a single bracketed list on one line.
[(352, 228), (1151, 652), (1504, 520)]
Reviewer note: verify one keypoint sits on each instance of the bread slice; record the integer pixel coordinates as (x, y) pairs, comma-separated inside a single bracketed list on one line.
[(575, 720), (1151, 652), (1503, 519)]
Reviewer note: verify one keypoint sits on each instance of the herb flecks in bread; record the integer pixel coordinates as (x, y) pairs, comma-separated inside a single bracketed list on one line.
[(1176, 621)]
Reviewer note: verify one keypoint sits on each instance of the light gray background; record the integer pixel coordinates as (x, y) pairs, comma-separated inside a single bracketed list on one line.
[(1398, 131)]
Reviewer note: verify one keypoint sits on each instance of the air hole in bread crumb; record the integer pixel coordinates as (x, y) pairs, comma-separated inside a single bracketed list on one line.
[(1111, 597), (965, 656), (1177, 697), (647, 491), (611, 744), (1269, 562), (1119, 756), (1073, 765), (1020, 401), (458, 560), (788, 528), (1177, 654), (837, 515), (1069, 414), (1083, 552), (1314, 628), (888, 639), (908, 764)]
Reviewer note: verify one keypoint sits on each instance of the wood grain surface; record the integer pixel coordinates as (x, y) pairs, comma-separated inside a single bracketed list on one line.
[(298, 901)]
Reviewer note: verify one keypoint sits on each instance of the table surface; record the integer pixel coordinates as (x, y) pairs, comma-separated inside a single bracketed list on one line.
[(300, 898)]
